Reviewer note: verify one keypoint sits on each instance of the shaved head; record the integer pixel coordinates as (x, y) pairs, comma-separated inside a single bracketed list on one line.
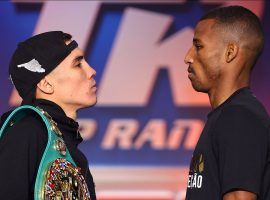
[(236, 24)]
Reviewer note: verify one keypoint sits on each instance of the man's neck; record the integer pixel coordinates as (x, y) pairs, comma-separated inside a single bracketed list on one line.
[(230, 80), (68, 110), (71, 113), (224, 90)]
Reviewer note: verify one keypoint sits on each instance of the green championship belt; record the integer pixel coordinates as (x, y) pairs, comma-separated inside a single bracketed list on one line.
[(58, 177)]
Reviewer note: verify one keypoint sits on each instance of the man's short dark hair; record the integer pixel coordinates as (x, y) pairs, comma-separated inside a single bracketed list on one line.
[(241, 22)]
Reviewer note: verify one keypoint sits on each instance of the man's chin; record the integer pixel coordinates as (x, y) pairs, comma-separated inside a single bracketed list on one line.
[(92, 102), (88, 104), (198, 88)]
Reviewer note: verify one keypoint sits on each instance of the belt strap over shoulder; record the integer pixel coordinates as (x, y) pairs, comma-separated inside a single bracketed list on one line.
[(57, 177)]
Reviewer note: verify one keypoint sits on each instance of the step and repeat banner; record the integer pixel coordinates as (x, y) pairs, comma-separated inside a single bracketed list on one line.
[(140, 136)]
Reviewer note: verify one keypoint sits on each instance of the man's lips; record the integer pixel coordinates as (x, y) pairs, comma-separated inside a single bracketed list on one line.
[(190, 70), (94, 86)]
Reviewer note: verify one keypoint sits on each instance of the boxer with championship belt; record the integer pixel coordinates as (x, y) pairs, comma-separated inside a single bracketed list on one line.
[(39, 155)]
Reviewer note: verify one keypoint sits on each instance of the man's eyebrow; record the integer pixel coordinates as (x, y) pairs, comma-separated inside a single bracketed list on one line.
[(78, 58), (195, 40)]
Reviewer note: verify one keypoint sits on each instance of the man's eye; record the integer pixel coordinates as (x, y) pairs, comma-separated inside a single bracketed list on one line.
[(197, 46), (79, 65)]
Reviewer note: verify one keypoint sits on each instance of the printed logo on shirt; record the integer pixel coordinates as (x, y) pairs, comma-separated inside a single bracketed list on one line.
[(195, 177), (197, 164)]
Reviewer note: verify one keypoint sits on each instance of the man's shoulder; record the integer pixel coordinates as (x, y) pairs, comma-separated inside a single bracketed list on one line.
[(236, 122), (30, 125), (237, 117), (245, 110), (247, 106)]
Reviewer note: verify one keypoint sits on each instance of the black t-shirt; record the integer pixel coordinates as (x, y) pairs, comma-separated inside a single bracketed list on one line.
[(233, 152), (22, 147)]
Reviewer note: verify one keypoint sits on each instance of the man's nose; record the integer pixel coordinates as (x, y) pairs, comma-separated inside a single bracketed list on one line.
[(93, 72), (188, 58), (90, 71)]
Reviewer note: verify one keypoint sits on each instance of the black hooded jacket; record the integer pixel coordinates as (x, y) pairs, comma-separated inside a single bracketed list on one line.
[(22, 147)]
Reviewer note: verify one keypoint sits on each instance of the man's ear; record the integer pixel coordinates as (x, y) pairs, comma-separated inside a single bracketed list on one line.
[(231, 52), (45, 86)]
